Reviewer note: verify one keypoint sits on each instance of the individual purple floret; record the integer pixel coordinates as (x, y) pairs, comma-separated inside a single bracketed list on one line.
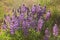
[(40, 24), (47, 33), (55, 30), (48, 14)]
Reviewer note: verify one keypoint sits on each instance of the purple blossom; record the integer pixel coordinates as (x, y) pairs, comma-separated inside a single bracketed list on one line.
[(11, 25), (12, 31), (40, 24), (24, 24), (47, 33), (48, 14), (28, 23), (33, 24), (55, 30), (33, 10), (23, 8), (16, 25), (38, 9), (39, 15), (8, 18), (21, 17), (18, 21), (30, 18)]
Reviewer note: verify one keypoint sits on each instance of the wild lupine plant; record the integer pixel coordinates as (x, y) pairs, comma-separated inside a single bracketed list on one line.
[(35, 21)]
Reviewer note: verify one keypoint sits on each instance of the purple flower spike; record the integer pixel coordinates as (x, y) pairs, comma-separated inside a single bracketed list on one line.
[(38, 9), (47, 33), (40, 24), (55, 30), (23, 8), (48, 14), (33, 9)]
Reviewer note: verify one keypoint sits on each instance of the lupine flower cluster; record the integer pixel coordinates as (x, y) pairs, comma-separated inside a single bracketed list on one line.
[(29, 18)]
